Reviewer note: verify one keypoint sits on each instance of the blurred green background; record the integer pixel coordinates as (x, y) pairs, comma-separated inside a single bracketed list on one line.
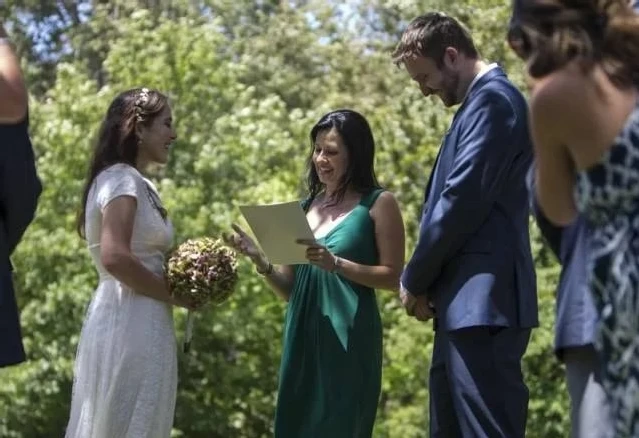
[(247, 80)]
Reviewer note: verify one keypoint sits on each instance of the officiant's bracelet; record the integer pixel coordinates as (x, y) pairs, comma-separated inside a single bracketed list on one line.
[(337, 265), (266, 272)]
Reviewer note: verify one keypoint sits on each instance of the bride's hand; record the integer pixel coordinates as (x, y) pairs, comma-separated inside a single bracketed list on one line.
[(243, 243), (181, 303), (175, 301)]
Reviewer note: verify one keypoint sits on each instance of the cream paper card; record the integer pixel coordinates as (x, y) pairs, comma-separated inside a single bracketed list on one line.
[(276, 228)]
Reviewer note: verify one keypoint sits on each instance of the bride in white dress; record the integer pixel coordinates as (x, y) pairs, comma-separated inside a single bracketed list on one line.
[(125, 374)]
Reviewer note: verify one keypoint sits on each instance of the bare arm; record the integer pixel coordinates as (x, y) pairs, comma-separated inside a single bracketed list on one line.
[(390, 240), (575, 118), (115, 251), (555, 174), (389, 237), (13, 91), (279, 278)]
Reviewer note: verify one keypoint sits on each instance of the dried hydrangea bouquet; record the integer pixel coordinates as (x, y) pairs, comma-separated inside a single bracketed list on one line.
[(201, 271)]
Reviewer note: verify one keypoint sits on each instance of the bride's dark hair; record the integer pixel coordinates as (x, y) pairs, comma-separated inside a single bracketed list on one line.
[(549, 34), (118, 138)]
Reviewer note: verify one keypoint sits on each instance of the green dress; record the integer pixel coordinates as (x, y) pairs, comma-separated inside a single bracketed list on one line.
[(331, 370)]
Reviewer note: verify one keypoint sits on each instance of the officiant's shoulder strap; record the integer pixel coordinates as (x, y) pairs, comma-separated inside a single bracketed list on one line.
[(368, 200)]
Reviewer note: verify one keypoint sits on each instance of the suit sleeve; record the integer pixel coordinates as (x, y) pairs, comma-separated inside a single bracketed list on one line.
[(484, 155), (551, 233), (20, 186)]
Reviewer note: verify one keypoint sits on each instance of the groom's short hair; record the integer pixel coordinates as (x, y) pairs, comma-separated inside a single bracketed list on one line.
[(429, 35)]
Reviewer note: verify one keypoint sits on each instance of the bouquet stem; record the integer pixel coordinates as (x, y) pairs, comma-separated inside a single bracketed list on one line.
[(188, 333)]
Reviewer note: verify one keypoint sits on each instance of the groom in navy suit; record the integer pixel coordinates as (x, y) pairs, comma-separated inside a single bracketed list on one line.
[(19, 192), (472, 268)]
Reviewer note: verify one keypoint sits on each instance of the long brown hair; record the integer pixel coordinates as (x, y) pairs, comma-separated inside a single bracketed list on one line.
[(117, 140), (551, 33)]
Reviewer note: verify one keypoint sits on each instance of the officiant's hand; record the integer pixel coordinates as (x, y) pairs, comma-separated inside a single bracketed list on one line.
[(243, 243), (319, 255)]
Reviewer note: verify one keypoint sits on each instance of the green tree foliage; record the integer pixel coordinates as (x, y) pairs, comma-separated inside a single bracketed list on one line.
[(247, 81)]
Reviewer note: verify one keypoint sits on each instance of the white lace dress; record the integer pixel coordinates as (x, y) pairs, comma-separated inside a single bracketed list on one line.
[(126, 366)]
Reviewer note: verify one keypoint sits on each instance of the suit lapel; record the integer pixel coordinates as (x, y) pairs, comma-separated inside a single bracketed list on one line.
[(434, 170), (477, 86)]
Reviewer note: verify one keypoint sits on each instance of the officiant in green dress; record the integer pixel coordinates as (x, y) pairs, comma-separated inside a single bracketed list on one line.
[(331, 369)]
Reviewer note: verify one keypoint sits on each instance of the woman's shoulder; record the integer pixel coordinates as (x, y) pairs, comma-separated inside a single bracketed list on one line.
[(570, 89), (119, 171), (115, 180), (559, 87), (577, 106), (382, 200), (562, 101), (122, 168)]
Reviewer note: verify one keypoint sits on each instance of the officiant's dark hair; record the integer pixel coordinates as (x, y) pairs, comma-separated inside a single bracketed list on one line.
[(117, 140), (357, 136)]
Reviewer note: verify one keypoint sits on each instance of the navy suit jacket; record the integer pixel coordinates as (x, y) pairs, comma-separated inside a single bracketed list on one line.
[(473, 256), (19, 192), (576, 318)]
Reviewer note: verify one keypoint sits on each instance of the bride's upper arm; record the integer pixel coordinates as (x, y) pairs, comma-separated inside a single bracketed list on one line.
[(117, 229)]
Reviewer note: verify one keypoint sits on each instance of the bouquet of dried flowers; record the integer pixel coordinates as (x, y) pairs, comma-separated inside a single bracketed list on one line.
[(201, 271)]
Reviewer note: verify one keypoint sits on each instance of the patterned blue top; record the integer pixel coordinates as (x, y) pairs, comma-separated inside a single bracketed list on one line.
[(607, 194)]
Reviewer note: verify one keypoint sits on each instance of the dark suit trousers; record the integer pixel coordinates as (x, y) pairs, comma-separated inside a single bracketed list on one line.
[(11, 350), (476, 384)]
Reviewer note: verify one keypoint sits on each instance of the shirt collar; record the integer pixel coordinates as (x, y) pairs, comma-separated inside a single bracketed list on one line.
[(485, 69)]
